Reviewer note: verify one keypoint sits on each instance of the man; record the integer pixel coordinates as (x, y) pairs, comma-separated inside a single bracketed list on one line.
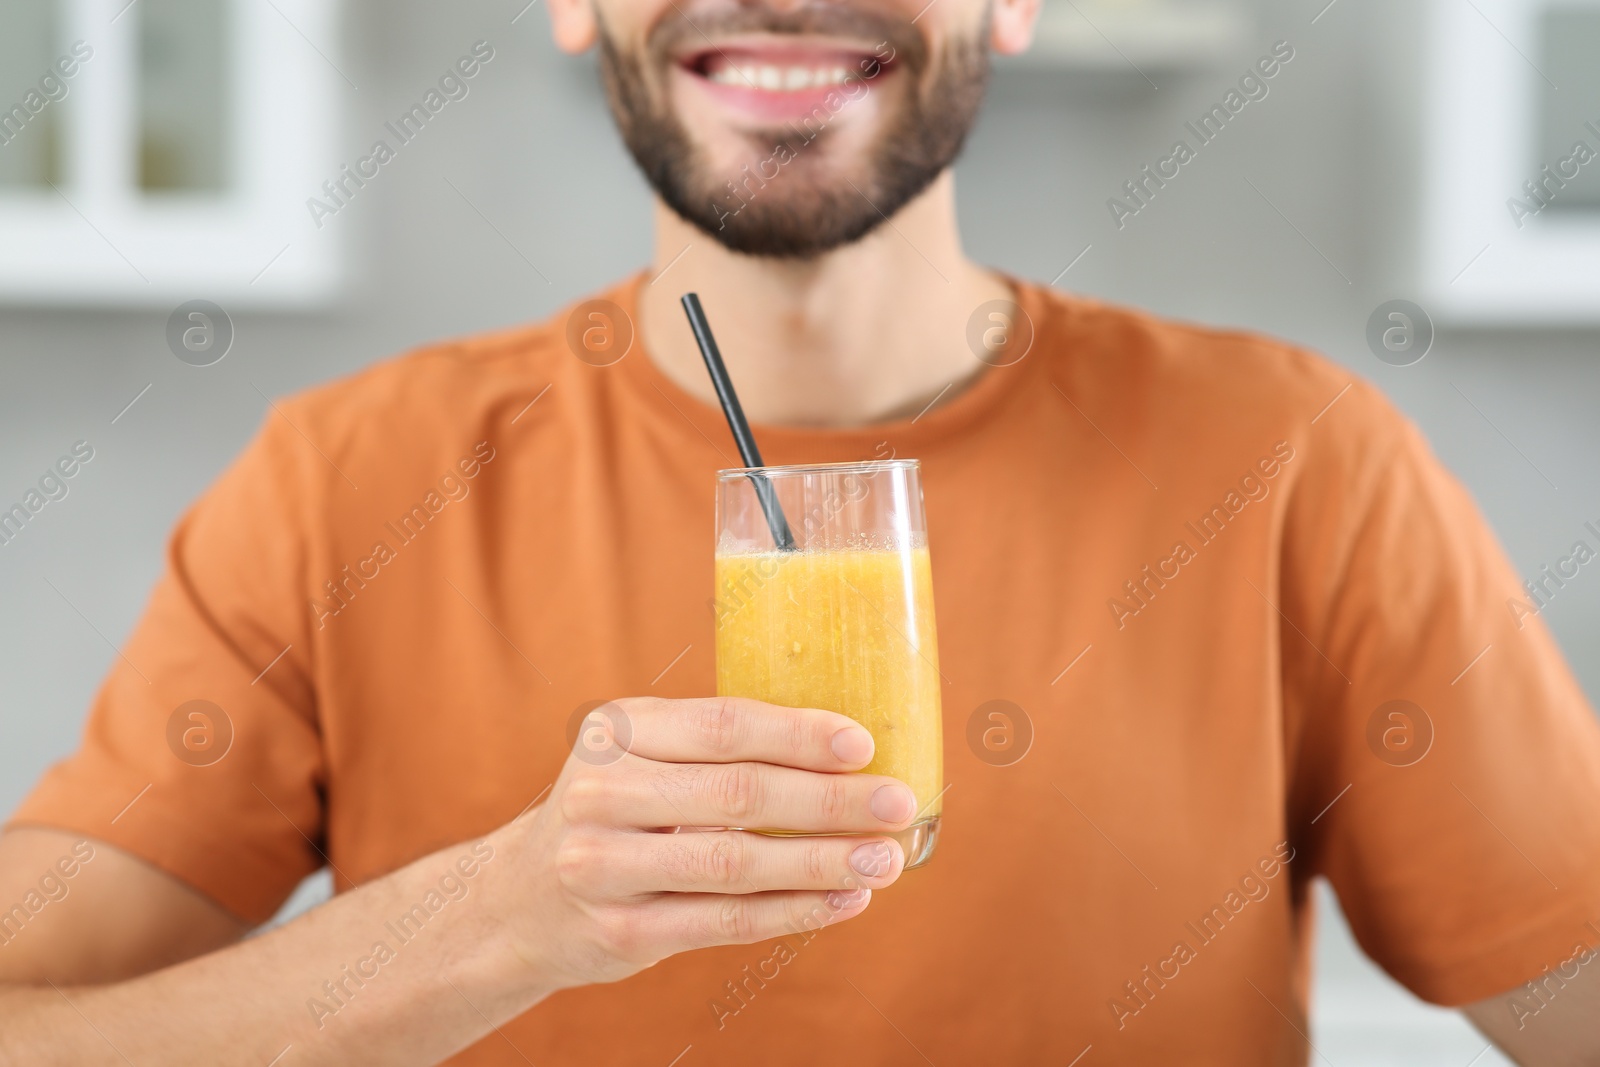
[(1235, 627)]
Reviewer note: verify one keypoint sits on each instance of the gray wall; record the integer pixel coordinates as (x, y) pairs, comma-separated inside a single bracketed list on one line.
[(1332, 147)]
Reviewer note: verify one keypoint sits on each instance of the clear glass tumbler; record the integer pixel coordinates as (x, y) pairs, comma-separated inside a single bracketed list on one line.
[(824, 599)]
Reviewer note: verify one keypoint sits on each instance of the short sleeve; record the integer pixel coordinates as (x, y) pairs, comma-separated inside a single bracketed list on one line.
[(201, 754), (1447, 776)]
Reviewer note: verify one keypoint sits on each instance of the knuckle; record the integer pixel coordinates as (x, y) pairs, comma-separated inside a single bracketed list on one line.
[(723, 862), (717, 724), (620, 934), (735, 791), (834, 801), (645, 709), (583, 799), (799, 736), (577, 857), (702, 860), (817, 862), (730, 922)]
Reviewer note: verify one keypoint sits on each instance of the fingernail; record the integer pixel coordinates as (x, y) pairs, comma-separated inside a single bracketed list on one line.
[(893, 803), (852, 745), (872, 859), (840, 901)]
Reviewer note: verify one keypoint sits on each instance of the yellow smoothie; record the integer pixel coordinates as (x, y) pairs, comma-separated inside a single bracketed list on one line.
[(848, 631)]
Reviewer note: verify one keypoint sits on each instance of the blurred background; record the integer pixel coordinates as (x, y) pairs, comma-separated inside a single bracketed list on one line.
[(175, 164)]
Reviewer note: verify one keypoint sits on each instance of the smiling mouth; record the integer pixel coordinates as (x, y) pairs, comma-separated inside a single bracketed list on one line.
[(775, 72)]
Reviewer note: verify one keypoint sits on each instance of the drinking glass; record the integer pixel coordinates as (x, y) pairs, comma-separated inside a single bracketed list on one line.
[(824, 599)]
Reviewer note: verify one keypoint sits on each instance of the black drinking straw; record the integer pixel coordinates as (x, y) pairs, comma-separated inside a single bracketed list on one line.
[(781, 536)]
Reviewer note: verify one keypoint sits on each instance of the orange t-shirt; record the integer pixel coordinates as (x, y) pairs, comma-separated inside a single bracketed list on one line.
[(1197, 565)]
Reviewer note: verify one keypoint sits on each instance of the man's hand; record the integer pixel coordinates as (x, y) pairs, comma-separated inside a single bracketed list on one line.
[(630, 859), (589, 887)]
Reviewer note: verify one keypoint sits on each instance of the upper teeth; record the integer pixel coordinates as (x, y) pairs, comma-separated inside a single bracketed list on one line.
[(772, 78)]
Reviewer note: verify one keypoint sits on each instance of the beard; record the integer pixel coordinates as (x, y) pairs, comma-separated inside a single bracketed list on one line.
[(792, 201)]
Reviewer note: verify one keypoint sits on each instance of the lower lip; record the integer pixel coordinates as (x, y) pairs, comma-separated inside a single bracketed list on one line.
[(778, 106)]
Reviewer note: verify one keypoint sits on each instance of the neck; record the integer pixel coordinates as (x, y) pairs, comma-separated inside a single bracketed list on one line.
[(873, 331)]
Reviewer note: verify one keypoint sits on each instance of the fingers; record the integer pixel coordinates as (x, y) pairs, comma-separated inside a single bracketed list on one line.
[(704, 920), (736, 862), (750, 795), (735, 730)]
